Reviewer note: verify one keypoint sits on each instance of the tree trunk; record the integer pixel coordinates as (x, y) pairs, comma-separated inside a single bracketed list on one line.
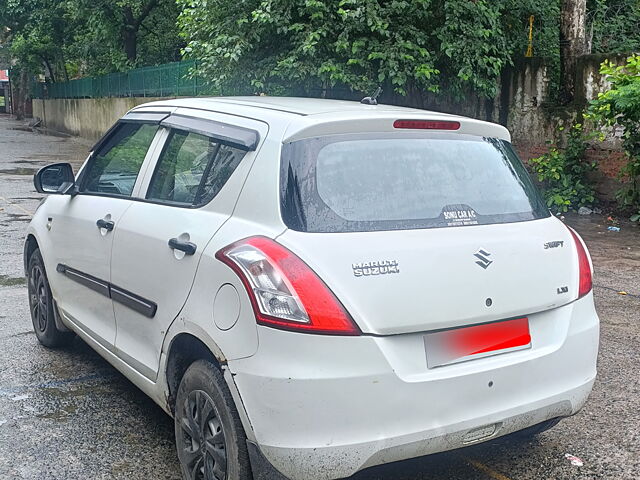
[(49, 68), (26, 95), (130, 43), (20, 98), (18, 104), (573, 43)]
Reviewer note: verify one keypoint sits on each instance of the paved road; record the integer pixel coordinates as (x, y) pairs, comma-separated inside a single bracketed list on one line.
[(69, 415)]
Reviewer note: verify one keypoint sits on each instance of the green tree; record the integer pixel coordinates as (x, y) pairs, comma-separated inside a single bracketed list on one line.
[(117, 35), (67, 38), (613, 25), (34, 33), (306, 46), (620, 107)]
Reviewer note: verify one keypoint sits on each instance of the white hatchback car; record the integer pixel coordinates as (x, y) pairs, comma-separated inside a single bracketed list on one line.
[(313, 287)]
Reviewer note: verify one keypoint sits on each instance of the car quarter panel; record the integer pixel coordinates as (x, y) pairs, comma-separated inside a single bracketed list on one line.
[(218, 302), (257, 212)]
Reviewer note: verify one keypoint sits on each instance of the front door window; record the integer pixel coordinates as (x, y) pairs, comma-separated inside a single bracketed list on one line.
[(115, 166)]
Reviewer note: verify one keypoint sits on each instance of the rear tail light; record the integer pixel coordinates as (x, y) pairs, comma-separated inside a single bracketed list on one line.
[(426, 124), (585, 278), (284, 291)]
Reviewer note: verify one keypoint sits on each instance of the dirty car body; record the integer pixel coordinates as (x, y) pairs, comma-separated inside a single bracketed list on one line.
[(360, 284)]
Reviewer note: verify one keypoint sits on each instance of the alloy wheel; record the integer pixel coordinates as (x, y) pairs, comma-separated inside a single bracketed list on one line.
[(202, 442), (38, 298)]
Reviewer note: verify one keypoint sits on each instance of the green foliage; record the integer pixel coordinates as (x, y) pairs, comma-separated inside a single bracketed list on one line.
[(33, 33), (311, 46), (106, 26), (69, 38), (563, 174), (620, 107), (613, 25)]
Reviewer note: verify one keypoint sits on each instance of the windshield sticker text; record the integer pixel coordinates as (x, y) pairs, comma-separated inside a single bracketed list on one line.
[(455, 215)]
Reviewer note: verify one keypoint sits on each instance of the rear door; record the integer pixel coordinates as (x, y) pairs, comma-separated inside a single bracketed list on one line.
[(83, 227), (190, 192), (425, 231)]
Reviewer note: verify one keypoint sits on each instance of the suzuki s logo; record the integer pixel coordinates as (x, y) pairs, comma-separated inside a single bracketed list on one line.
[(483, 260)]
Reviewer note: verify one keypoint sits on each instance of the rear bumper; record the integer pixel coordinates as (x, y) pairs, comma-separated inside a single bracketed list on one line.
[(325, 407)]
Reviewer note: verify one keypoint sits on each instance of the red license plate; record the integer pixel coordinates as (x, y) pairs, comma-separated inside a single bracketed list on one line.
[(468, 343)]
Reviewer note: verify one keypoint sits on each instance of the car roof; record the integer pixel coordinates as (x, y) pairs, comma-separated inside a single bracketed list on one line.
[(293, 105), (316, 113)]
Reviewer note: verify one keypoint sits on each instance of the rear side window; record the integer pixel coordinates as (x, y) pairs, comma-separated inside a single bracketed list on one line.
[(352, 183), (115, 166), (192, 169)]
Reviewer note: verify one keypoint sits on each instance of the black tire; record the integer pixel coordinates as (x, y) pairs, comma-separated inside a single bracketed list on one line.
[(210, 439), (41, 305)]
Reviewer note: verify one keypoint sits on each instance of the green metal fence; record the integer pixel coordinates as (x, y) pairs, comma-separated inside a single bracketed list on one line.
[(168, 80)]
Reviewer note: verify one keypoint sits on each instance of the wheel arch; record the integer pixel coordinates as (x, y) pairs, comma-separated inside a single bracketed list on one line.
[(182, 349), (185, 343), (30, 246)]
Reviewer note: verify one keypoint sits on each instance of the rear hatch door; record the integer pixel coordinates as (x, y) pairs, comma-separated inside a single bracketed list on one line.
[(419, 280), (424, 230)]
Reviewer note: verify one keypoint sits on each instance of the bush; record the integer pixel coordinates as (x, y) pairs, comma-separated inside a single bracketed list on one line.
[(563, 174)]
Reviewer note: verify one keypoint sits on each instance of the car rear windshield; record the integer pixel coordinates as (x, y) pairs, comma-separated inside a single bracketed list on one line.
[(370, 182)]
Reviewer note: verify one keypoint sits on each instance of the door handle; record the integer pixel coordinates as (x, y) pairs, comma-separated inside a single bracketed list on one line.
[(187, 247), (106, 224)]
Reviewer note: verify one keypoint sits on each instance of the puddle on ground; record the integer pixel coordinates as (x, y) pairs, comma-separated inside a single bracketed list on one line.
[(19, 171), (58, 394), (619, 249), (61, 414), (22, 334), (19, 398), (593, 228), (37, 162), (52, 133), (43, 156), (7, 281), (18, 217), (63, 402)]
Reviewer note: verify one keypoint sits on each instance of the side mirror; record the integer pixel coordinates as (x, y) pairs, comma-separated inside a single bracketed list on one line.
[(55, 179)]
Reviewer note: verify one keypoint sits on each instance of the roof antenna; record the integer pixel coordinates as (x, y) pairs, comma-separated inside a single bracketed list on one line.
[(373, 99)]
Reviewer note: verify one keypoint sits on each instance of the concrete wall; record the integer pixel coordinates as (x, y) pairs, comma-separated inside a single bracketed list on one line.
[(534, 119), (537, 125), (88, 118)]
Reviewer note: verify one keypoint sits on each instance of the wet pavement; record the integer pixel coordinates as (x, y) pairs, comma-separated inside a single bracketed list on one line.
[(67, 414)]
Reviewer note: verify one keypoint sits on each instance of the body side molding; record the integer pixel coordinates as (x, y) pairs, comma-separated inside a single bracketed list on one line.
[(128, 299)]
